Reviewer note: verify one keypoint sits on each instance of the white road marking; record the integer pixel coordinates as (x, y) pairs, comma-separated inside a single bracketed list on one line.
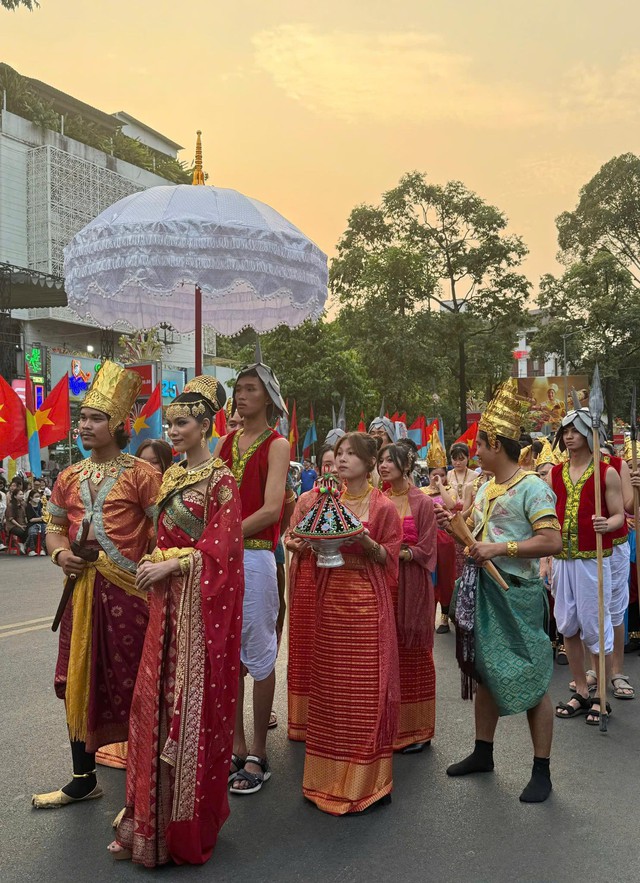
[(15, 625)]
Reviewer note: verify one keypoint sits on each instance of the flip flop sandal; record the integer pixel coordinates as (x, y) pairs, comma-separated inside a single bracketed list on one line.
[(273, 721), (590, 687), (595, 715), (620, 691), (584, 706), (255, 781), (238, 762)]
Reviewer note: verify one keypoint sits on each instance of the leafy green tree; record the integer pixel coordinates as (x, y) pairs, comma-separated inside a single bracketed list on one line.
[(426, 279), (597, 304), (607, 217), (14, 4)]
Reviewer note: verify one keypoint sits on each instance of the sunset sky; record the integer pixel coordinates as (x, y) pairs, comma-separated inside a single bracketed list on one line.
[(316, 107)]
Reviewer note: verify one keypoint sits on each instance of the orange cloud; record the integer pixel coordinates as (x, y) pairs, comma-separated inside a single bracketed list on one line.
[(389, 77)]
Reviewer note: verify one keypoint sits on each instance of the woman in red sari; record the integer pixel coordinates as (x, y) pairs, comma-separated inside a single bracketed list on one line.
[(183, 710), (302, 609), (354, 696), (413, 600)]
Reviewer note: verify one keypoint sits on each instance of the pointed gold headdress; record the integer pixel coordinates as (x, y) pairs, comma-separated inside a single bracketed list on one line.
[(436, 455), (627, 454), (525, 453), (504, 413), (546, 455), (559, 456), (113, 391), (208, 388)]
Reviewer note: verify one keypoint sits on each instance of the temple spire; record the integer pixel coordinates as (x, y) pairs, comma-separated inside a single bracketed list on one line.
[(198, 174)]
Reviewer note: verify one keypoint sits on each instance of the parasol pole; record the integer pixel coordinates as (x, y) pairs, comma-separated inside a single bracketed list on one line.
[(596, 406), (198, 333), (198, 180), (633, 424)]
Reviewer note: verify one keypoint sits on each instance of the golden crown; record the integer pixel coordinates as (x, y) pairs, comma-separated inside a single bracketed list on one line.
[(524, 455), (113, 391), (546, 455), (436, 455), (504, 413), (627, 454), (207, 387), (559, 456)]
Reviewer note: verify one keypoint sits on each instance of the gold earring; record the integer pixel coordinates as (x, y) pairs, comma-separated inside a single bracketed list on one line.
[(203, 441)]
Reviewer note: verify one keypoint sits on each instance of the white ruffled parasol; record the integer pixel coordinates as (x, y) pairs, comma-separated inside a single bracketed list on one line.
[(151, 256)]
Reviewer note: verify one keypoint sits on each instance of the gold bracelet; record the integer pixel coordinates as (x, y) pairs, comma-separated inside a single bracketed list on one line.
[(512, 549), (56, 552), (57, 528)]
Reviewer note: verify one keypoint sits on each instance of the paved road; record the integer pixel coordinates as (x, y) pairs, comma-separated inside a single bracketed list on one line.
[(436, 829)]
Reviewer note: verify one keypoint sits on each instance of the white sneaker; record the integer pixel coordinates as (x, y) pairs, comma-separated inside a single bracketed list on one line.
[(42, 552), (2, 547), (31, 554), (21, 546)]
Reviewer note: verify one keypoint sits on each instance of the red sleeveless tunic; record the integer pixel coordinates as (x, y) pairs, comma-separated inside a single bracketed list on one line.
[(250, 471), (622, 534), (575, 506)]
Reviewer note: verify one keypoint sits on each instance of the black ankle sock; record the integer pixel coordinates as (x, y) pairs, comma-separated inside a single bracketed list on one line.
[(479, 761), (84, 766), (539, 787)]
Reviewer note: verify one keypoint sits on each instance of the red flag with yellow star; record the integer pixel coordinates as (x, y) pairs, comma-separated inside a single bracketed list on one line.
[(13, 423), (147, 423), (53, 418)]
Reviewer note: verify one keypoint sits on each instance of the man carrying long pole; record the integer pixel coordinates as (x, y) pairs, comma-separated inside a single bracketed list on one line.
[(590, 509)]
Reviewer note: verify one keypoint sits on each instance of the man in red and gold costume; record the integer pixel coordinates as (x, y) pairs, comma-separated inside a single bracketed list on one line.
[(100, 523), (576, 570), (258, 457)]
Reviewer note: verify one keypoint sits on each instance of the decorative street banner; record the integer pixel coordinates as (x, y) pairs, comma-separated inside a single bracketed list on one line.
[(547, 397)]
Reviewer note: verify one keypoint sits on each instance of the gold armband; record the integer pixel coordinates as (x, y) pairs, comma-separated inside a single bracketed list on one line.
[(159, 555), (56, 552), (290, 498), (512, 549), (550, 523), (58, 528)]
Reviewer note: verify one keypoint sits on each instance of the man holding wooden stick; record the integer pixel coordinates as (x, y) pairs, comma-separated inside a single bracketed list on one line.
[(101, 512), (590, 509), (502, 645)]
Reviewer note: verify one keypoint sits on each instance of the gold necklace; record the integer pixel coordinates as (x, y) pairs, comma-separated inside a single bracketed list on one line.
[(400, 493), (95, 472), (200, 467), (347, 496)]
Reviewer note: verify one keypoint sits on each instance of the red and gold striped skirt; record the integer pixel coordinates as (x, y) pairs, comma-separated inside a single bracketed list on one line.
[(302, 626), (417, 697), (114, 755), (417, 720), (343, 772)]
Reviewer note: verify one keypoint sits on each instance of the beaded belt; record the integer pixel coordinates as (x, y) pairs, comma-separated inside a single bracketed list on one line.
[(264, 545)]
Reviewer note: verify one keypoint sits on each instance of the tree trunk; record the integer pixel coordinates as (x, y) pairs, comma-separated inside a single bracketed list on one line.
[(462, 377)]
